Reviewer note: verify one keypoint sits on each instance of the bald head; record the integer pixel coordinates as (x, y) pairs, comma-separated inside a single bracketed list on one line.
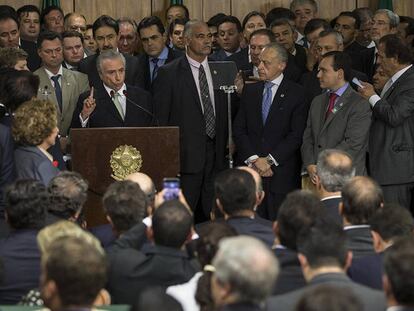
[(256, 176), (144, 181)]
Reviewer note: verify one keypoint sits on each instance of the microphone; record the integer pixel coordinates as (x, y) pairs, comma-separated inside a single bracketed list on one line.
[(46, 92), (141, 108), (112, 94)]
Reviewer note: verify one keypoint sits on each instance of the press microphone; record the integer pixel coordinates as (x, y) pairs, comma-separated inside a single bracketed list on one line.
[(140, 107), (112, 94)]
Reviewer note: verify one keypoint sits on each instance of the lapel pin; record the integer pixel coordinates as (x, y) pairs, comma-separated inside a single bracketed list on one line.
[(282, 95), (215, 72)]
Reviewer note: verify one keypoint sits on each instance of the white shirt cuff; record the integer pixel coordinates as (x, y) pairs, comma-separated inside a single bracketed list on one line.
[(83, 122), (251, 159), (373, 99)]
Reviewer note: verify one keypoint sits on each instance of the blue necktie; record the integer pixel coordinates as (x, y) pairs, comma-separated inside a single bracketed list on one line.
[(267, 100), (58, 91), (155, 69)]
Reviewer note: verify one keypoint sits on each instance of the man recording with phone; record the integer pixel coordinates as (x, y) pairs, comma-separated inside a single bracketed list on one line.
[(113, 103)]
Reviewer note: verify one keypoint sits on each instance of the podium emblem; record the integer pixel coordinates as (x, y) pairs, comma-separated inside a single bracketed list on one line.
[(125, 160)]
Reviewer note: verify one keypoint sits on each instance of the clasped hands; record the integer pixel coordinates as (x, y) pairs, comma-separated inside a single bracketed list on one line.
[(261, 166)]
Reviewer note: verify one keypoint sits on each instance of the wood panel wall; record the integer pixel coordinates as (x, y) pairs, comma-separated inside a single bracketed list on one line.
[(204, 9)]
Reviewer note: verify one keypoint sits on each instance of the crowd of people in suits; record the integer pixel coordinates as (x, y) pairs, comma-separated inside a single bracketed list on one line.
[(317, 214)]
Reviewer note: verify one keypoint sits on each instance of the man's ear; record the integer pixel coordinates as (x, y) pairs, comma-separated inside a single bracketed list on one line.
[(376, 241), (348, 260), (150, 234), (259, 197), (341, 208)]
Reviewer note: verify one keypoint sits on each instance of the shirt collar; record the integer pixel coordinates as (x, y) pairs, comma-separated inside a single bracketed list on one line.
[(341, 90), (50, 74), (195, 63), (120, 92), (356, 227), (163, 54), (278, 80), (399, 73), (230, 54), (331, 197), (47, 154)]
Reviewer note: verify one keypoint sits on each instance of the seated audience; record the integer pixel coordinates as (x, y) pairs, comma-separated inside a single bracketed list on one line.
[(244, 273), (333, 170), (298, 212), (235, 192), (324, 258), (26, 203), (361, 197), (388, 224), (35, 130), (196, 293)]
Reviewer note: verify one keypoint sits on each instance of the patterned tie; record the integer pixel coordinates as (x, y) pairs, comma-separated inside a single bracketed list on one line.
[(332, 98), (206, 101), (58, 90), (118, 105), (267, 100), (155, 70)]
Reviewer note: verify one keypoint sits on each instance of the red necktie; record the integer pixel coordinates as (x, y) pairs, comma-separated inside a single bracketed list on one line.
[(332, 98)]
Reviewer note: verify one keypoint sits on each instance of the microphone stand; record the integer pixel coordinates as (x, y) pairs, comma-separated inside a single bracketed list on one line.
[(229, 89)]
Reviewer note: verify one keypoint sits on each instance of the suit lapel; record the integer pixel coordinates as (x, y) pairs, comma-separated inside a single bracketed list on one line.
[(106, 101), (340, 103), (258, 105), (188, 78), (68, 84), (396, 83)]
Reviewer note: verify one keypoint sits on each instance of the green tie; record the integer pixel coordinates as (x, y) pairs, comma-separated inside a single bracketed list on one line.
[(118, 105)]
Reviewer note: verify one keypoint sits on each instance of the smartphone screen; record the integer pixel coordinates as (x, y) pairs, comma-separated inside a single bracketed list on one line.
[(171, 188)]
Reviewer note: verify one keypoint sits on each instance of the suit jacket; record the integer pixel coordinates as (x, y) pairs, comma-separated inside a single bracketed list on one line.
[(72, 84), (253, 227), (281, 135), (364, 62), (372, 300), (241, 58), (300, 58), (20, 259), (359, 241), (33, 59), (106, 113), (331, 207), (144, 72), (312, 86), (241, 306), (220, 55), (33, 164), (160, 266), (368, 270), (177, 103), (347, 129), (6, 162), (290, 276), (391, 140), (88, 66)]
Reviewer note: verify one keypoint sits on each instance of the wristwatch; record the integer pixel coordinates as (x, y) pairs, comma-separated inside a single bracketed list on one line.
[(270, 160)]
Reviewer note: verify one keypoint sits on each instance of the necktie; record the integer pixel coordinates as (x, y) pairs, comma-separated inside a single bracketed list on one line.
[(58, 90), (155, 69), (206, 101), (118, 105), (267, 100), (386, 87), (332, 97)]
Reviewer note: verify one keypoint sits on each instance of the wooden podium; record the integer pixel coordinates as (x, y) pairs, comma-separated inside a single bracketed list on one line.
[(156, 149)]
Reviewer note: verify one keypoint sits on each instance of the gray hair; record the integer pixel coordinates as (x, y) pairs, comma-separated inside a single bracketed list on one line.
[(295, 3), (248, 266), (334, 169), (108, 54), (188, 28), (282, 53), (70, 185), (339, 39), (128, 20), (394, 18)]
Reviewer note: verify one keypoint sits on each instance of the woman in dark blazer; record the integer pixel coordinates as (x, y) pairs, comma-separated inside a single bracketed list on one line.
[(34, 130)]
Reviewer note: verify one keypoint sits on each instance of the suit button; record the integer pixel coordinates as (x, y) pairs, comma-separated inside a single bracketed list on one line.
[(319, 146)]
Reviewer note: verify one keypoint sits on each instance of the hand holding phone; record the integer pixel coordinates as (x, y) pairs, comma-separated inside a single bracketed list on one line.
[(171, 187)]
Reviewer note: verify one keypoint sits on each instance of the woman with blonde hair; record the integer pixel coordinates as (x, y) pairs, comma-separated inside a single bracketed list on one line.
[(34, 130)]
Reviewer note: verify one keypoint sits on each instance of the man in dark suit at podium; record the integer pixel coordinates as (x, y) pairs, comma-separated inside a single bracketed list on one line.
[(105, 31), (184, 96), (113, 103)]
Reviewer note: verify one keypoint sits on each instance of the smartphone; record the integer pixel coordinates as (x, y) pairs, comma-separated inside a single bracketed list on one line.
[(171, 188), (357, 82)]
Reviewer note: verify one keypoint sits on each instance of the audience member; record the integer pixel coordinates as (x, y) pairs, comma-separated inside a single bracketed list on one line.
[(75, 22), (333, 170), (156, 54), (324, 258), (312, 30), (34, 130), (230, 35), (361, 197), (364, 34), (51, 19), (298, 212), (128, 36), (212, 26), (244, 273), (388, 224), (147, 186), (389, 160), (235, 192), (26, 203), (175, 11), (58, 85), (29, 22), (176, 34), (73, 52), (304, 10), (347, 24), (89, 43), (253, 20)]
